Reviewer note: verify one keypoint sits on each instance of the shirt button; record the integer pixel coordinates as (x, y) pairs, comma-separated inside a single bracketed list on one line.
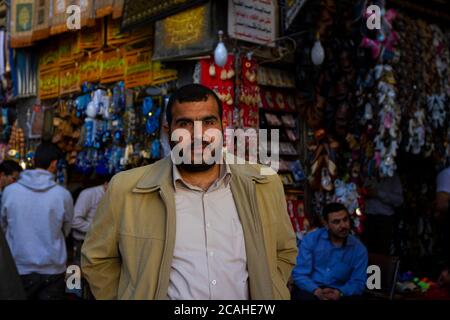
[(208, 225), (211, 254), (213, 282)]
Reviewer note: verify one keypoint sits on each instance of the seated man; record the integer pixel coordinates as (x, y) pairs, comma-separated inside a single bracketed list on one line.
[(331, 263)]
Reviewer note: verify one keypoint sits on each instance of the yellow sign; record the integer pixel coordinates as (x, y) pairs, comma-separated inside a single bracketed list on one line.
[(113, 66), (91, 68), (138, 68), (184, 28), (49, 84), (69, 79)]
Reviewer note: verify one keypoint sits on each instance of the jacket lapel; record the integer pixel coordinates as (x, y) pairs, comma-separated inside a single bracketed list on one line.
[(159, 178), (244, 193)]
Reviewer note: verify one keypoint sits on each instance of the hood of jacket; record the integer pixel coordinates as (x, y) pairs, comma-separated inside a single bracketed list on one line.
[(37, 179)]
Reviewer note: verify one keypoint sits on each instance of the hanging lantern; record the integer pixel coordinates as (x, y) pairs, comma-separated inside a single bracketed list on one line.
[(368, 113), (317, 52), (220, 53)]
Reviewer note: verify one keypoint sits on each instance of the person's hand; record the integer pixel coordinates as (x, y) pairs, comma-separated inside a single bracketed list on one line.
[(319, 294), (444, 278), (331, 294)]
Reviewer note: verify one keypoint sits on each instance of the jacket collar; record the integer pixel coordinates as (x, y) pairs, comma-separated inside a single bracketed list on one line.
[(156, 175), (160, 173)]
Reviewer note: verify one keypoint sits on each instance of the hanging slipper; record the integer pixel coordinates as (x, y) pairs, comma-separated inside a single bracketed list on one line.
[(341, 91), (345, 60), (374, 47), (317, 165), (326, 182), (330, 166)]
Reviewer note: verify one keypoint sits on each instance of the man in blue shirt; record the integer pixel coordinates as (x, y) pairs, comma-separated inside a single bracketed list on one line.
[(331, 263)]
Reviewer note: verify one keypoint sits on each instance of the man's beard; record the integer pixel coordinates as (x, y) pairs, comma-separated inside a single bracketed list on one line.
[(196, 167)]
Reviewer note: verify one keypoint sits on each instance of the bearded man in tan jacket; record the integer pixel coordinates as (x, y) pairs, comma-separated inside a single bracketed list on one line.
[(191, 230)]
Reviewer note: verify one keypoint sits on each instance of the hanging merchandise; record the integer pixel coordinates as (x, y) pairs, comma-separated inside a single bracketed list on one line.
[(249, 95), (5, 124), (442, 51), (388, 138), (275, 78), (426, 93), (155, 150), (297, 216), (61, 172), (323, 161), (81, 103), (89, 132), (114, 136), (277, 100), (16, 143), (67, 130), (221, 80), (151, 113), (35, 122), (385, 38), (26, 73), (437, 110), (348, 195), (118, 102), (2, 59)]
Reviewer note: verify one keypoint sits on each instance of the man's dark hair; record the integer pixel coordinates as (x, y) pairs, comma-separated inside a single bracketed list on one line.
[(45, 153), (8, 167), (332, 207), (191, 93), (104, 178)]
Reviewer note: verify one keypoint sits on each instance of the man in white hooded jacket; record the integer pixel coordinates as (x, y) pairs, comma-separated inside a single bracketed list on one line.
[(36, 215)]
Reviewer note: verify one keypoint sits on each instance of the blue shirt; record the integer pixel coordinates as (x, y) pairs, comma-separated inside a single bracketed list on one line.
[(320, 263)]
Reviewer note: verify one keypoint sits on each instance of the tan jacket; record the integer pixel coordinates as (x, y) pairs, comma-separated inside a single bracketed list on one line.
[(128, 251)]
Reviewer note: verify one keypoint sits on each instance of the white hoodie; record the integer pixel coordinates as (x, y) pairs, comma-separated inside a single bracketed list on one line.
[(36, 215)]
